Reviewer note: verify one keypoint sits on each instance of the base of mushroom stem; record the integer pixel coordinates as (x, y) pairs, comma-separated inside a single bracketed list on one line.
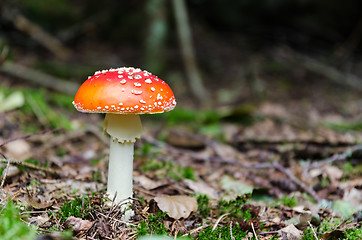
[(125, 205)]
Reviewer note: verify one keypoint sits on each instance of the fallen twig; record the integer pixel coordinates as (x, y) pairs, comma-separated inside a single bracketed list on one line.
[(30, 135), (36, 32), (219, 220), (335, 158), (318, 67), (40, 78), (5, 172), (314, 233), (10, 196), (298, 182), (27, 165), (195, 156), (252, 226)]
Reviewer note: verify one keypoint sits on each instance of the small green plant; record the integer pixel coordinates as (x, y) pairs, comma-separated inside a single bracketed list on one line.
[(234, 208), (37, 103), (152, 225), (287, 201), (153, 165), (203, 205), (226, 233), (345, 126), (353, 234), (97, 176), (79, 207), (351, 171), (329, 226), (12, 227), (188, 173), (176, 172), (147, 150)]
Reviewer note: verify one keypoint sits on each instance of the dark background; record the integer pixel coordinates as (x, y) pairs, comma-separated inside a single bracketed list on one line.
[(244, 48)]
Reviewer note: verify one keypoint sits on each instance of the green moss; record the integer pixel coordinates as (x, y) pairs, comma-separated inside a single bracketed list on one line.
[(329, 230), (345, 126), (196, 117), (225, 233), (79, 207), (287, 201), (62, 100), (97, 176), (46, 106), (350, 171), (234, 208), (37, 104), (188, 173), (176, 172), (153, 225), (153, 164), (353, 234), (203, 205)]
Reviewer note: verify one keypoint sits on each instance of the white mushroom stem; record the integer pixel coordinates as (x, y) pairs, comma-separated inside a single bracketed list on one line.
[(124, 130), (120, 171)]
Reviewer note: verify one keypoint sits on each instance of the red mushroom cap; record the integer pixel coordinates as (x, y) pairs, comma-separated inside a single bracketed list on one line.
[(124, 91)]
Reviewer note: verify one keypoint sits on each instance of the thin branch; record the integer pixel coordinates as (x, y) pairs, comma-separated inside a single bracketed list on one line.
[(298, 182), (314, 233), (197, 87), (335, 158), (216, 159), (30, 135), (219, 220), (318, 67), (231, 230), (5, 172), (252, 226), (27, 165), (351, 43), (40, 78), (36, 32), (11, 196)]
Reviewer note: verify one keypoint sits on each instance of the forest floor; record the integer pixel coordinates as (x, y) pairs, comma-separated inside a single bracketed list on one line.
[(288, 169)]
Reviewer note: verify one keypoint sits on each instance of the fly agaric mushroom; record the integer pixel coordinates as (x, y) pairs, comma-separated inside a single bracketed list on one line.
[(123, 94)]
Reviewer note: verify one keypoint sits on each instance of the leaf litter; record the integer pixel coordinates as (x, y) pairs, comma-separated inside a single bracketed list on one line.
[(297, 177)]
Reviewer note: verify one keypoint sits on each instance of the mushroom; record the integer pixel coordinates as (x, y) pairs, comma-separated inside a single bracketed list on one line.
[(123, 94)]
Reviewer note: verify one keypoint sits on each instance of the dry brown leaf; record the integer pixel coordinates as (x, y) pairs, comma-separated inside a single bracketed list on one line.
[(18, 149), (12, 171), (201, 187), (70, 185), (148, 183), (354, 197), (78, 224), (332, 172), (177, 207), (274, 110), (38, 203), (184, 140), (291, 233), (39, 220)]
